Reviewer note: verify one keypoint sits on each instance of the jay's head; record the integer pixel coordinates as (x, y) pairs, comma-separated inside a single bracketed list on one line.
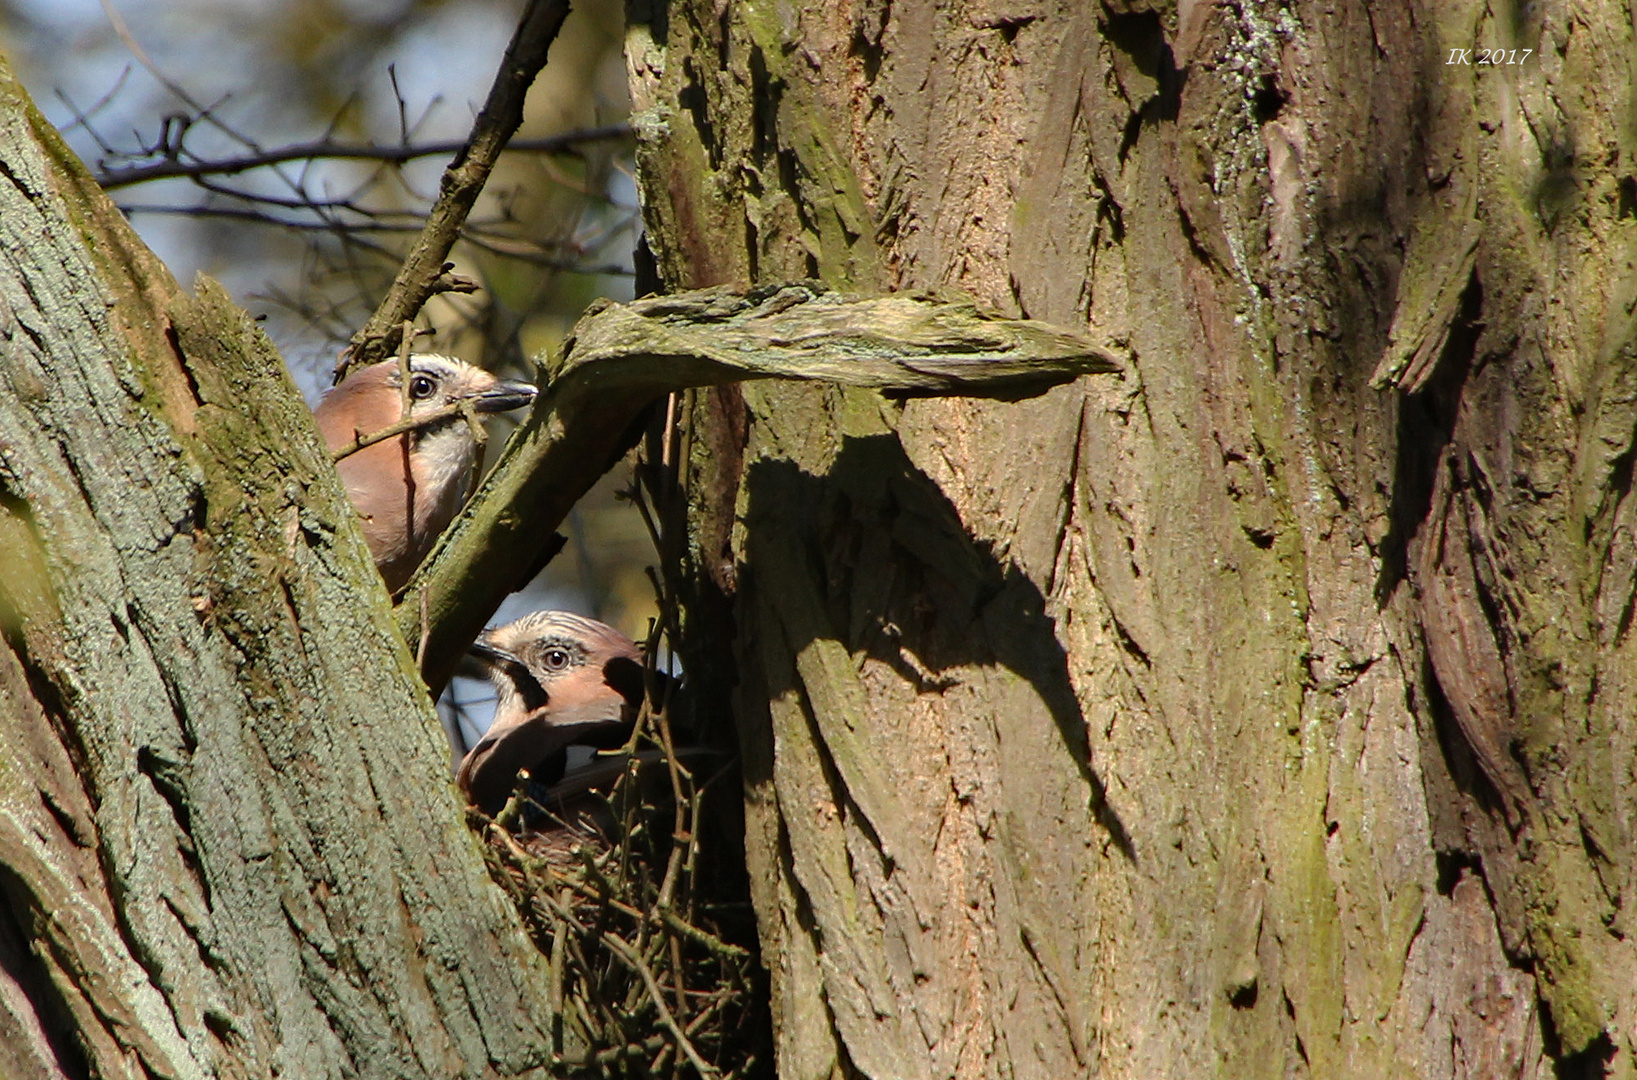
[(408, 488), (559, 679)]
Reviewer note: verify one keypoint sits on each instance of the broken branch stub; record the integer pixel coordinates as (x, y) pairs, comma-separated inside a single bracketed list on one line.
[(620, 357), (907, 344)]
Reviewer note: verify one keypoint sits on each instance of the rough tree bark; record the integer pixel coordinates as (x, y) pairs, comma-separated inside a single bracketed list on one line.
[(1266, 713), (228, 842)]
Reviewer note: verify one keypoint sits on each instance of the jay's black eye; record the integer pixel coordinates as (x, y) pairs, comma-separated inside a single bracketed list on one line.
[(422, 387), (556, 659)]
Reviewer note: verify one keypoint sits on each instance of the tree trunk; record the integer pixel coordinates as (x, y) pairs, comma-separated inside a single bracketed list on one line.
[(1263, 713), (228, 841)]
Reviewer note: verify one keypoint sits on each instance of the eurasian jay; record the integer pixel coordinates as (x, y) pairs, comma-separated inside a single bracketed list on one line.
[(559, 680), (408, 488)]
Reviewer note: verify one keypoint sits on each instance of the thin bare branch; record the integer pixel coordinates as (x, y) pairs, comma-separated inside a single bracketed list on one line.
[(462, 183), (173, 135), (82, 118), (122, 30), (532, 252), (657, 996), (327, 149), (411, 423)]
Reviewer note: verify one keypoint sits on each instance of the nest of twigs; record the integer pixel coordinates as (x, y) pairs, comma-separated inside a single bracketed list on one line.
[(642, 982)]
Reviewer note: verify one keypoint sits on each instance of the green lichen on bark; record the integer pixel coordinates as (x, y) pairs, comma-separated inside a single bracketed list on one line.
[(1268, 205), (251, 795)]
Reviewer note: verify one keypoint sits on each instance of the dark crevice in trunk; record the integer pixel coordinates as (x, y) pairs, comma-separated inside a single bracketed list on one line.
[(1592, 1063), (24, 971), (1141, 36), (1426, 423)]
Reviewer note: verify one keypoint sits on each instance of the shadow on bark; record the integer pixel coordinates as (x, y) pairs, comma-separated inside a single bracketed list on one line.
[(1427, 422), (36, 1025), (904, 584)]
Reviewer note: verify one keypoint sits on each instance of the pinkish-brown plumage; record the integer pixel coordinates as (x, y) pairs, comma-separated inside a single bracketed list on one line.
[(559, 679), (408, 489)]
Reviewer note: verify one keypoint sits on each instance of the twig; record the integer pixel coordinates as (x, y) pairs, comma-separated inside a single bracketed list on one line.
[(626, 1053), (328, 150), (514, 806), (677, 925), (170, 146), (123, 31), (82, 118), (263, 217), (403, 106), (406, 338), (554, 993), (680, 835), (427, 419), (629, 955), (463, 180), (529, 251)]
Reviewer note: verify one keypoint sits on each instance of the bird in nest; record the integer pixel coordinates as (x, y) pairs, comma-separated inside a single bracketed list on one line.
[(560, 680)]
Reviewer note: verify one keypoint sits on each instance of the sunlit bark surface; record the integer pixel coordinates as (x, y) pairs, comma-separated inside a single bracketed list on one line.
[(1266, 712)]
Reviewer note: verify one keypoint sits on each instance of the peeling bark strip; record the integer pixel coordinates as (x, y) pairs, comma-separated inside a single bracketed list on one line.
[(910, 344), (620, 357), (1461, 640)]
